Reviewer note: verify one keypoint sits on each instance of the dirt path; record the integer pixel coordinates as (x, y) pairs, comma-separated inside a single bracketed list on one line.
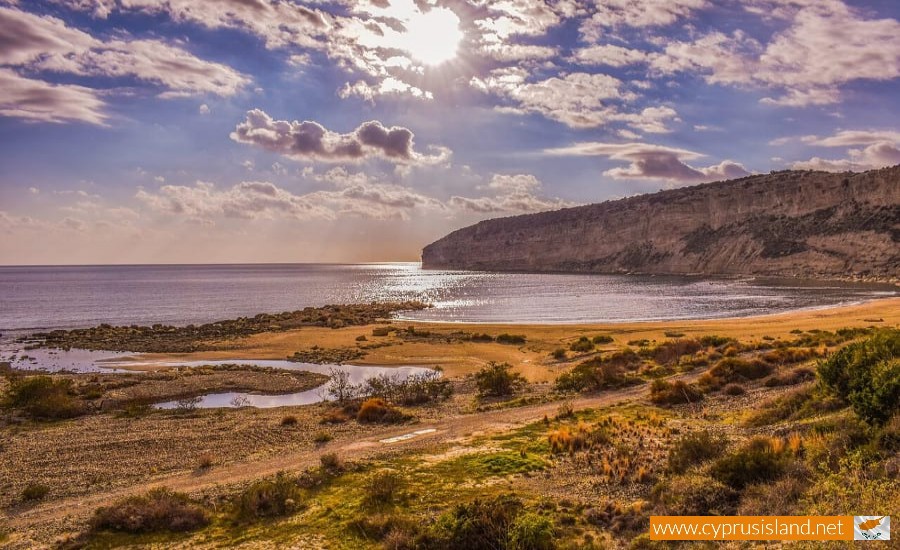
[(444, 431)]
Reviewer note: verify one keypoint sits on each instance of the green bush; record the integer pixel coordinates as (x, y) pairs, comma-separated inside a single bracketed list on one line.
[(268, 498), (695, 448), (867, 375), (498, 380), (382, 489), (510, 339), (157, 511), (715, 341), (601, 339), (559, 354), (582, 345), (477, 525), (531, 531), (669, 353), (600, 373), (45, 398), (758, 461)]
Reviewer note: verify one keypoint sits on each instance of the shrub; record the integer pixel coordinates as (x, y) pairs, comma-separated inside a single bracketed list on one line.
[(187, 404), (695, 448), (800, 403), (788, 356), (205, 461), (498, 380), (510, 339), (715, 341), (791, 378), (45, 398), (600, 373), (382, 489), (377, 411), (481, 338), (268, 498), (601, 339), (639, 343), (331, 463), (867, 375), (322, 437), (289, 420), (136, 409), (157, 511), (415, 389), (362, 338), (693, 495), (761, 460), (34, 491), (734, 389), (339, 387), (582, 345), (733, 369), (663, 392), (669, 353), (531, 531), (559, 354), (673, 334), (617, 518), (477, 525)]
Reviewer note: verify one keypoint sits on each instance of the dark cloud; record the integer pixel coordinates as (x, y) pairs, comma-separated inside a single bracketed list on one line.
[(309, 140)]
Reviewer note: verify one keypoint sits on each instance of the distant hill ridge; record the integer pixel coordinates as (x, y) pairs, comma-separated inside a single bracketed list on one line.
[(787, 224)]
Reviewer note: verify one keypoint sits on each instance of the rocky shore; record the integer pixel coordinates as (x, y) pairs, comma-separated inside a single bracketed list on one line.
[(216, 336)]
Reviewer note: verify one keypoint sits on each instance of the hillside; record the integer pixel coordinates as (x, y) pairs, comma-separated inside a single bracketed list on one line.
[(790, 223)]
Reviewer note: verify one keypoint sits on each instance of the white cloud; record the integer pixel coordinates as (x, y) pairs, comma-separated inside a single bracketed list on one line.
[(607, 14), (879, 148), (609, 54), (825, 45)]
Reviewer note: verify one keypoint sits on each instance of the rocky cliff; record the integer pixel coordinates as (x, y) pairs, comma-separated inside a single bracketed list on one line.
[(791, 223)]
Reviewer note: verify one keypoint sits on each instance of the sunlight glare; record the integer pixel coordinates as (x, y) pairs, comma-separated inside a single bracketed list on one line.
[(433, 37)]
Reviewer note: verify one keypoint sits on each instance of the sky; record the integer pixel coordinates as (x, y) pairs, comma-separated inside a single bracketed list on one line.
[(230, 131)]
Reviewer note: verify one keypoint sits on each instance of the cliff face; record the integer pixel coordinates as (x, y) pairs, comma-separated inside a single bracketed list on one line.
[(793, 223)]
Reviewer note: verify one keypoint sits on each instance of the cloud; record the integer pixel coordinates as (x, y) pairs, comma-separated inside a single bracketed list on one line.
[(37, 44), (279, 24), (39, 101), (203, 109), (246, 200), (311, 141), (656, 162), (515, 193), (608, 14), (825, 45), (609, 54), (880, 148), (578, 100)]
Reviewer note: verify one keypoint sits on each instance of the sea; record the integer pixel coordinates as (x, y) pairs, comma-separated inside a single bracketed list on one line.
[(44, 298), (37, 299)]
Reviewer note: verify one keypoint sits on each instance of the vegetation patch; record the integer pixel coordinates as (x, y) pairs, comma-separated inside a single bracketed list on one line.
[(498, 380), (159, 510), (45, 398)]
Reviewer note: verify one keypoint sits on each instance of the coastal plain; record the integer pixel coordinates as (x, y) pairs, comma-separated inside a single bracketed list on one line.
[(586, 465)]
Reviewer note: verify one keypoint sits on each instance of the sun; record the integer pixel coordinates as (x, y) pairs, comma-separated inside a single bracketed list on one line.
[(433, 37)]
